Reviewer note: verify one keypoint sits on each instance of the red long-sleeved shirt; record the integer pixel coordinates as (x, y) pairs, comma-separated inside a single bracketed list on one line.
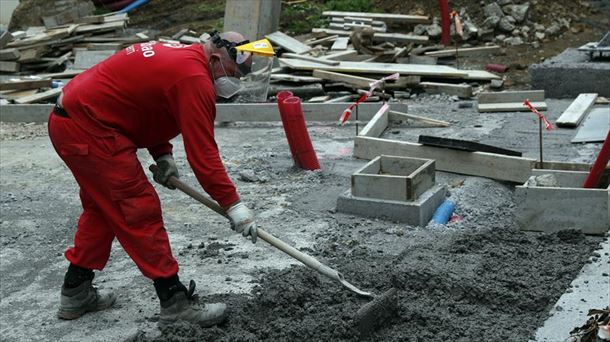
[(151, 92)]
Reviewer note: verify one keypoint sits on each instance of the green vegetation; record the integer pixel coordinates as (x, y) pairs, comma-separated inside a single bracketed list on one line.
[(301, 17)]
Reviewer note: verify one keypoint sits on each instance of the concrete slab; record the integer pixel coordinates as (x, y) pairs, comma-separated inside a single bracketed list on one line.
[(589, 290), (570, 74), (567, 206), (415, 213)]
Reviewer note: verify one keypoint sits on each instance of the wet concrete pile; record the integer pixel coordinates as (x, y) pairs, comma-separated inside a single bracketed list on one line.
[(485, 285)]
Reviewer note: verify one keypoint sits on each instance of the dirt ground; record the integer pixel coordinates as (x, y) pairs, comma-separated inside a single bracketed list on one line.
[(477, 279)]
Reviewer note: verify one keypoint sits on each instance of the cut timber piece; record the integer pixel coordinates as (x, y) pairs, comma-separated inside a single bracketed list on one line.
[(574, 114), (396, 116), (465, 51), (377, 68), (343, 55), (5, 38), (566, 206), (394, 178), (9, 54), (31, 54), (595, 127), (25, 84), (465, 145), (322, 41), (319, 98), (340, 44), (294, 78), (510, 101), (379, 36), (378, 124), (287, 42), (110, 26), (461, 90), (480, 75), (364, 82), (9, 66), (104, 46), (301, 90), (511, 96), (311, 59), (387, 17), (87, 59), (509, 107), (45, 95)]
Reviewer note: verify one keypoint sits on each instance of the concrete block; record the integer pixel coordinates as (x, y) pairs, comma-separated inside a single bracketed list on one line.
[(567, 206), (415, 213), (570, 74), (394, 178)]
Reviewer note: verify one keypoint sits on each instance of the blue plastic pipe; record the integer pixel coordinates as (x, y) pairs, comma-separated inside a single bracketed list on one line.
[(133, 6), (443, 213)]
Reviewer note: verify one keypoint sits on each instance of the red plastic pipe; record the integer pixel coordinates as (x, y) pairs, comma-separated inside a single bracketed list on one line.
[(496, 67), (299, 141), (445, 24), (281, 96), (597, 171)]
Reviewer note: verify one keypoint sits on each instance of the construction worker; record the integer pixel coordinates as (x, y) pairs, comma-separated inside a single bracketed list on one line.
[(142, 97)]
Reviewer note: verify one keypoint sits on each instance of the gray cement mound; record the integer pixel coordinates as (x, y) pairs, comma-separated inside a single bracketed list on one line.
[(502, 279)]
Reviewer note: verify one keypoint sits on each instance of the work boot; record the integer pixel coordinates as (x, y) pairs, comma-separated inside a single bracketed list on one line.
[(75, 302), (185, 306)]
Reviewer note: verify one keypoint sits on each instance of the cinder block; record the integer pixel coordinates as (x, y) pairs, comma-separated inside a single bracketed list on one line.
[(415, 213), (567, 206), (394, 178)]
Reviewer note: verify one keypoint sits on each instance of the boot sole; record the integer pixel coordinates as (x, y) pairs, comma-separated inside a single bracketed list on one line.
[(71, 315), (163, 324)]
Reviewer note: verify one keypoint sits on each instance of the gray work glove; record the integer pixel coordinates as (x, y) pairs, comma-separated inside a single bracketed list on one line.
[(166, 167), (242, 220)]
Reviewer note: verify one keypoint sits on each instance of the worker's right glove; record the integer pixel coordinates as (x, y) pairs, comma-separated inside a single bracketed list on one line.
[(242, 220), (166, 167)]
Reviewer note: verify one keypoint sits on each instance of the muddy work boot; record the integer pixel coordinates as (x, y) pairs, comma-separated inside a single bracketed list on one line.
[(183, 305), (75, 302)]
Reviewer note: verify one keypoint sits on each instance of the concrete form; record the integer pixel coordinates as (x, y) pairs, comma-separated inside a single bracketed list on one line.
[(394, 178), (416, 213), (225, 112), (577, 110), (571, 73), (567, 206), (510, 101)]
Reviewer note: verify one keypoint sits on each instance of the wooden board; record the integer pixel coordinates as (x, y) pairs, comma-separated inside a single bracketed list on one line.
[(577, 110), (379, 36), (294, 78), (387, 17), (461, 90), (287, 42), (340, 44), (310, 58), (465, 51), (377, 68), (480, 75), (357, 81), (51, 93), (509, 107), (340, 56), (465, 145), (5, 38), (9, 54), (378, 124), (511, 96), (87, 59), (25, 84), (322, 41), (6, 66), (399, 116)]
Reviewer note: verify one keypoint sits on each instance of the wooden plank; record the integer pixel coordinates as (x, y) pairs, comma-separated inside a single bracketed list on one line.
[(322, 41), (387, 17), (31, 54), (25, 84), (379, 36), (319, 98), (310, 59), (482, 164), (511, 96), (287, 42), (45, 95), (9, 54), (509, 107), (465, 145), (461, 90), (378, 124), (343, 55), (294, 78), (480, 75), (577, 110), (340, 44), (104, 46), (69, 73), (417, 59), (6, 66), (225, 112), (396, 116), (5, 38), (465, 51), (357, 81), (110, 26), (377, 68), (87, 59)]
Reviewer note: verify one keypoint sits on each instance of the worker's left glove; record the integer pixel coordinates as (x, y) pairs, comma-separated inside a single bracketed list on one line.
[(242, 220), (166, 167)]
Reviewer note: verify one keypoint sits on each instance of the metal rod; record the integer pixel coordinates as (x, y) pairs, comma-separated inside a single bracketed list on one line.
[(540, 140)]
